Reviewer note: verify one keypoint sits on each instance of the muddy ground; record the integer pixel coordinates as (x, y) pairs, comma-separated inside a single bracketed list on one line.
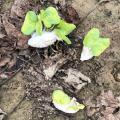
[(25, 89)]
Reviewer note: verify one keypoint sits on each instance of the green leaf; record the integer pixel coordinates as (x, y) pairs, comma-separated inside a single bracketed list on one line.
[(61, 36), (93, 41), (65, 27), (91, 37), (50, 17), (60, 97), (39, 27), (67, 40), (76, 107), (29, 24), (100, 45)]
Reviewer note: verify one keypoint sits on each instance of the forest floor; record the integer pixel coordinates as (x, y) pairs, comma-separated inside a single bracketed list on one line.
[(26, 81)]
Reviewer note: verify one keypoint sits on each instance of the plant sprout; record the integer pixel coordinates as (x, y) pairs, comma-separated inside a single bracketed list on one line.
[(46, 28), (65, 103), (94, 45), (29, 24)]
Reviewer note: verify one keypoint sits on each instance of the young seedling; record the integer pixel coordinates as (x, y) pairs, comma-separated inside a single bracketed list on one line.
[(94, 45), (46, 28), (65, 103)]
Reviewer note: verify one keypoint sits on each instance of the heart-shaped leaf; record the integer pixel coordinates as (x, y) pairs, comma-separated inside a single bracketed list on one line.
[(50, 17), (61, 36), (97, 44), (65, 28)]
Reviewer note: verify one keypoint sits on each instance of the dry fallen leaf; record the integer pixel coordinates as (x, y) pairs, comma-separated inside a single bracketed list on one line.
[(91, 107), (19, 8), (12, 62), (13, 31), (4, 61), (107, 99), (10, 28), (76, 79), (71, 15), (52, 64), (22, 42), (110, 103), (110, 116)]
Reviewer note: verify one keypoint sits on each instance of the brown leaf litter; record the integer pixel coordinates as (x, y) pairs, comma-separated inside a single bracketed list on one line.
[(71, 15), (19, 8), (9, 27), (4, 61), (12, 31), (75, 78), (106, 105), (52, 64)]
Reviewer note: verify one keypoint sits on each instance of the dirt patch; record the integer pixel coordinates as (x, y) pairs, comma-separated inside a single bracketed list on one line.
[(12, 99)]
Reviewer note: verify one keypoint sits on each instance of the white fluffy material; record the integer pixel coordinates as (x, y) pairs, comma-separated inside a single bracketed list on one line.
[(42, 41), (86, 54)]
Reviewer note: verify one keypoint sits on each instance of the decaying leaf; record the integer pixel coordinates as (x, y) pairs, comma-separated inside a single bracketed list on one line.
[(71, 15), (110, 116), (2, 114), (110, 111), (19, 8), (9, 27), (22, 42), (52, 64), (76, 79), (4, 61), (107, 99), (91, 107), (111, 103), (13, 31), (12, 62)]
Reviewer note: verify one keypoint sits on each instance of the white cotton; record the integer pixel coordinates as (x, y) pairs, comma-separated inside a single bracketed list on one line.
[(42, 41), (65, 109), (86, 54)]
